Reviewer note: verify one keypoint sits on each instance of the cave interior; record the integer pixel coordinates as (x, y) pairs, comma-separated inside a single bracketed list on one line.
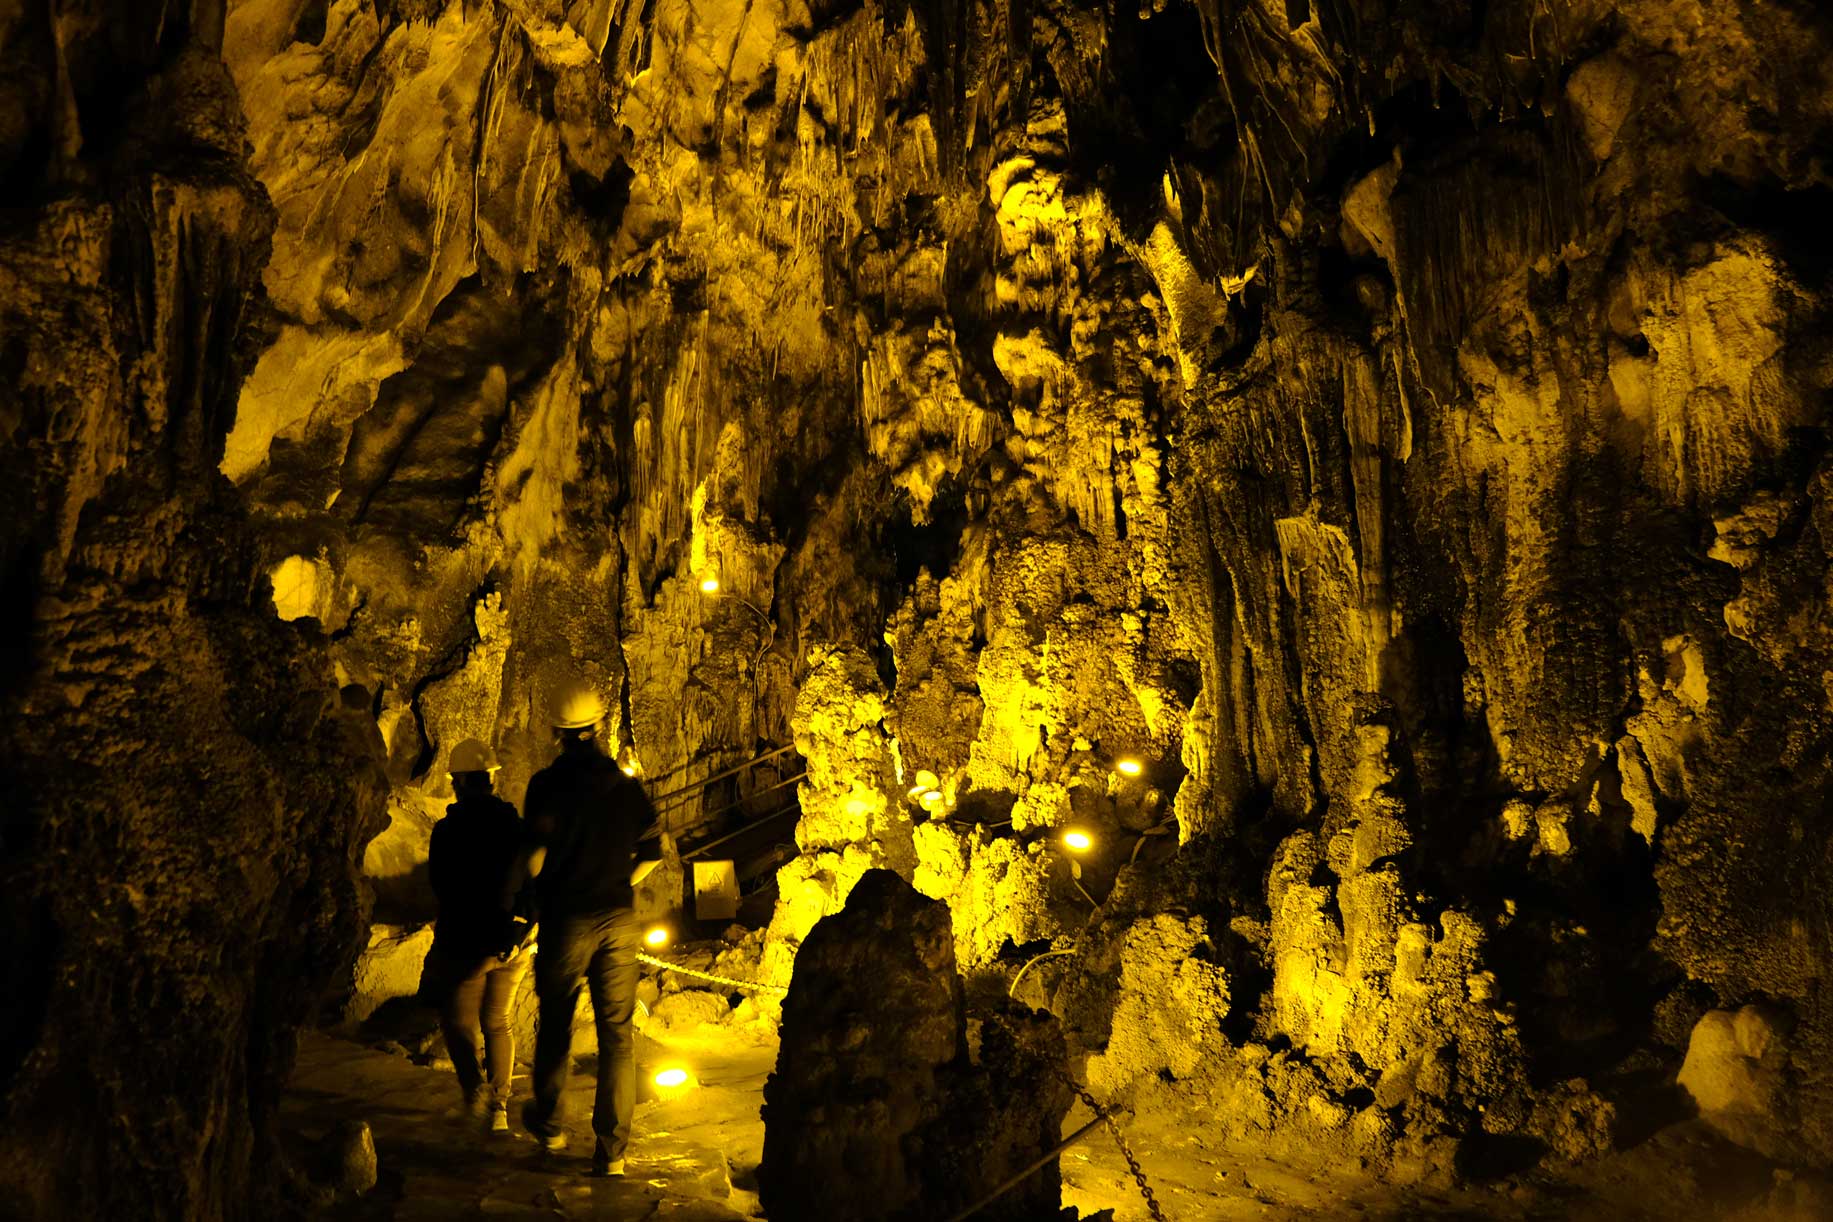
[(1252, 568)]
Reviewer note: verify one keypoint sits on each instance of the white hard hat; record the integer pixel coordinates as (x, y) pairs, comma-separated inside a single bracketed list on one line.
[(471, 756), (575, 705)]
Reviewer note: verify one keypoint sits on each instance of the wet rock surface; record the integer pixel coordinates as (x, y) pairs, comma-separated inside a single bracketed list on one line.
[(432, 1161)]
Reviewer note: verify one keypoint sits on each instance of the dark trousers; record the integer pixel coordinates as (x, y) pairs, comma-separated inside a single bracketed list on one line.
[(600, 948), (475, 1019)]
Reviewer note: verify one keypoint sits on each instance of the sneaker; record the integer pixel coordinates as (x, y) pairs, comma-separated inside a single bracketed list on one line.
[(552, 1143), (499, 1119), (603, 1165)]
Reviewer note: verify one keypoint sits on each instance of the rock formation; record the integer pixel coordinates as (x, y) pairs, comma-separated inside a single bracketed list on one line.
[(876, 1110), (1394, 431), (189, 792)]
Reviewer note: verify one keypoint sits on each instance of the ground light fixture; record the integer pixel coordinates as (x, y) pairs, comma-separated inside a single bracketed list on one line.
[(1078, 841), (657, 936), (672, 1082), (709, 585), (1126, 765)]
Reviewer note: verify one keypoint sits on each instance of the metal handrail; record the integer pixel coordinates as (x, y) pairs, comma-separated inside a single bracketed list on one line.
[(680, 768), (717, 776), (710, 845), (687, 792), (757, 793), (731, 806), (680, 797)]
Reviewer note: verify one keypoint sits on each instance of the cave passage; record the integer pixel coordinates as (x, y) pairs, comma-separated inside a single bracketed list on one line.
[(861, 611)]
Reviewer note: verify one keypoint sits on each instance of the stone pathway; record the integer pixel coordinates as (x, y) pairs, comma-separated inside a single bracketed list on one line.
[(695, 1154), (692, 1159)]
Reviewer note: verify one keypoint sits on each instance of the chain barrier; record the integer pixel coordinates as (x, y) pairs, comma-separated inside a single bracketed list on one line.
[(666, 966), (1126, 1151)]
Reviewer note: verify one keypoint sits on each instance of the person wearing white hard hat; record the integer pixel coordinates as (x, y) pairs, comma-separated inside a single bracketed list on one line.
[(585, 816), (476, 963)]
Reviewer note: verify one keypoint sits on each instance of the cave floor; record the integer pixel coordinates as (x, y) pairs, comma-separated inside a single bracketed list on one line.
[(685, 1154), (1681, 1171), (693, 1157)]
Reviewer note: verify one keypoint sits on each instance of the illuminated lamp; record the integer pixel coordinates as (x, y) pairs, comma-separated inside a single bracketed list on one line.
[(1078, 841), (926, 783), (673, 1082), (1127, 766), (931, 796), (709, 585), (657, 936)]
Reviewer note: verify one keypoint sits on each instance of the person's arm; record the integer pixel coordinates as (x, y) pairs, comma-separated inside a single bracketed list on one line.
[(648, 838), (514, 921), (537, 829), (438, 869), (526, 866)]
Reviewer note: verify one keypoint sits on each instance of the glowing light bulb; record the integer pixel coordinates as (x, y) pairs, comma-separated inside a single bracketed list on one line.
[(671, 1078), (1128, 766), (709, 585), (657, 936), (1078, 841)]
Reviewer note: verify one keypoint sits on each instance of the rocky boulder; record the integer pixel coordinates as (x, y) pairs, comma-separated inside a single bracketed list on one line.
[(877, 1109), (1737, 1072)]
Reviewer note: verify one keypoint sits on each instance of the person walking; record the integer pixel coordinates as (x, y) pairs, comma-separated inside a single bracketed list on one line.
[(474, 966), (585, 817)]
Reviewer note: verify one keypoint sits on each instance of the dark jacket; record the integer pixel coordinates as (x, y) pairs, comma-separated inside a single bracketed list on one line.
[(472, 850), (587, 815)]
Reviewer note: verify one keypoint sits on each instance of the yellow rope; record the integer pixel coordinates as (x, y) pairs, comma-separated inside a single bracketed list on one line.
[(725, 980)]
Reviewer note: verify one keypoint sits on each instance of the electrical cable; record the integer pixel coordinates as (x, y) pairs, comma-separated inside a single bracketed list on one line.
[(1012, 989), (1030, 1170)]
